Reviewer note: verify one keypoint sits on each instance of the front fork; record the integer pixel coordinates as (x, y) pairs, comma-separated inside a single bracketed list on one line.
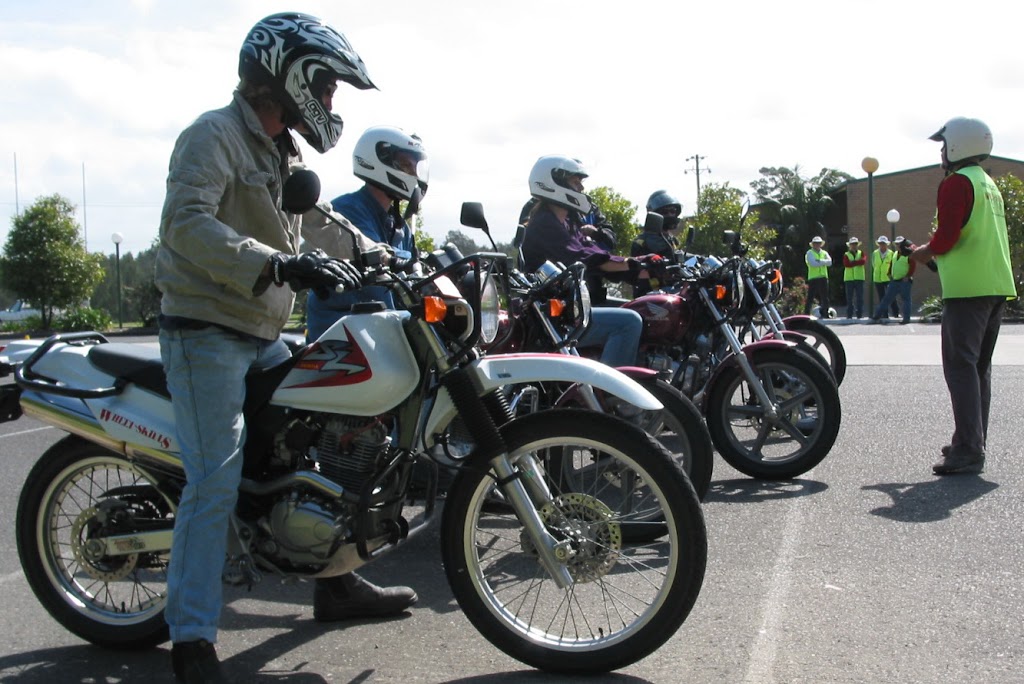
[(521, 480), (770, 408)]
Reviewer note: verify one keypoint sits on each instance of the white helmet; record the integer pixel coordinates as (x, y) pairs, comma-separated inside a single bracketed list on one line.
[(965, 138), (549, 182), (380, 155)]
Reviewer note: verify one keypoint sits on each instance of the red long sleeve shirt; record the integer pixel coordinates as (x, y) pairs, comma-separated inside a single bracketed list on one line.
[(955, 202)]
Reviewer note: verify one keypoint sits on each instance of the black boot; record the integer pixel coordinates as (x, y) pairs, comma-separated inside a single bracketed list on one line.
[(350, 596), (195, 662)]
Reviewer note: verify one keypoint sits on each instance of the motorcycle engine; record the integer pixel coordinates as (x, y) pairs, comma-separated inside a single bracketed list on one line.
[(348, 448)]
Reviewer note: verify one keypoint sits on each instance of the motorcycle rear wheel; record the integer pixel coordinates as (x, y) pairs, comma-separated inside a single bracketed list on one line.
[(825, 342), (626, 599), (807, 423), (72, 496), (679, 427)]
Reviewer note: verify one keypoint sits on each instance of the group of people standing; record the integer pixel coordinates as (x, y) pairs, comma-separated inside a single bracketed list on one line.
[(892, 273)]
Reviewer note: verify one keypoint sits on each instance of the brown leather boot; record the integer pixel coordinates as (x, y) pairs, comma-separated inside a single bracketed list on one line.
[(351, 596)]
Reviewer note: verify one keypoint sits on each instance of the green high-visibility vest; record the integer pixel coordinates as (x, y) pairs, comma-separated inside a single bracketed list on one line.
[(900, 267), (815, 271), (979, 263), (880, 266), (854, 272)]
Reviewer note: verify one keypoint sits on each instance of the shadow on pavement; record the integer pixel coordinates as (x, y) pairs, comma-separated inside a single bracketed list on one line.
[(747, 490), (543, 677), (931, 501)]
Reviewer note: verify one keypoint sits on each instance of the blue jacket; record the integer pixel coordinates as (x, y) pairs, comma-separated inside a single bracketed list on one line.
[(365, 212)]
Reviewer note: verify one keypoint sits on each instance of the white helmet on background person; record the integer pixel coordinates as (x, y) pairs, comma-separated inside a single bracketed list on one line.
[(392, 160), (964, 139), (549, 182), (298, 56), (882, 240)]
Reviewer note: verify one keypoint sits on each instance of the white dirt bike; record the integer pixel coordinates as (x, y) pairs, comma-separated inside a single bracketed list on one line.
[(543, 571)]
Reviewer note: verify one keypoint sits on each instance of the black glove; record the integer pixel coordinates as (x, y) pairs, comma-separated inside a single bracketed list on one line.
[(397, 263), (314, 270)]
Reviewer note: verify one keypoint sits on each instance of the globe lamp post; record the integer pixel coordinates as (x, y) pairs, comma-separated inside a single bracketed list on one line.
[(870, 165), (118, 239)]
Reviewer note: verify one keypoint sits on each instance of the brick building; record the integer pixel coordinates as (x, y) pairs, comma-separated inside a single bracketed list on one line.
[(912, 193)]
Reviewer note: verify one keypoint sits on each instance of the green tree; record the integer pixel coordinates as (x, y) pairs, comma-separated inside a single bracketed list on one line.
[(424, 242), (45, 261), (620, 213), (797, 205), (465, 243), (721, 208), (1012, 189)]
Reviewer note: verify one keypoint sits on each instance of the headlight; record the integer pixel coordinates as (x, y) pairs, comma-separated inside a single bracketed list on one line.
[(488, 310), (582, 315)]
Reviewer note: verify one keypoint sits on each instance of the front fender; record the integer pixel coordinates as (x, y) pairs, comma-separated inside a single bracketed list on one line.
[(730, 360), (492, 372), (798, 317)]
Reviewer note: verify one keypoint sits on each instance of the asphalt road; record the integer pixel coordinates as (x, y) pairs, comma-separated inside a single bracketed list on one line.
[(867, 569)]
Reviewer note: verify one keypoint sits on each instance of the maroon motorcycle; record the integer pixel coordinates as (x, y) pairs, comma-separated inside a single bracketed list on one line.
[(772, 409)]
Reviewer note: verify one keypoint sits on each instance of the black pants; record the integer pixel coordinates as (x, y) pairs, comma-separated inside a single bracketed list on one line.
[(817, 289), (970, 328)]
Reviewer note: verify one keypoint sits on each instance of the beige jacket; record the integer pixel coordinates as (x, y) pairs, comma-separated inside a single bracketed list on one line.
[(222, 220)]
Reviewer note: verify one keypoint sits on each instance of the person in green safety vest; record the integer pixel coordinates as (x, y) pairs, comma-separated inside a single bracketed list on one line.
[(901, 279), (818, 260), (853, 278), (972, 250), (881, 259)]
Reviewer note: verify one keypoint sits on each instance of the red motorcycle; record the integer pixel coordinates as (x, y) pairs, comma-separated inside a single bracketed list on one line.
[(772, 409)]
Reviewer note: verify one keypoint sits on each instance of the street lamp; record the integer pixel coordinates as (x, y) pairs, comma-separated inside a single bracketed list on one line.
[(118, 239), (870, 165), (893, 217)]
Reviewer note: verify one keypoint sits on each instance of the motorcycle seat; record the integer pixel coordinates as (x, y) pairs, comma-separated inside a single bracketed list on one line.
[(137, 363)]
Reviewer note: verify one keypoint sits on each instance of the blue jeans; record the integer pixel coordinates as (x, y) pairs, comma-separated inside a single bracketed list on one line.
[(900, 288), (854, 298), (206, 377), (617, 332)]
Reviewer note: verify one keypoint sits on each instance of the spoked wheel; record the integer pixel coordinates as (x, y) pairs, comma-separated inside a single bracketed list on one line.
[(825, 342), (76, 496), (625, 599), (787, 440)]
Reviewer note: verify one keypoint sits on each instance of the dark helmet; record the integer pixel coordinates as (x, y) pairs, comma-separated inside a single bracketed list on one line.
[(298, 56), (660, 199)]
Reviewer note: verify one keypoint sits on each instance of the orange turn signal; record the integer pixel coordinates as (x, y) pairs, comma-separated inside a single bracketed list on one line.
[(776, 276), (720, 291), (556, 307), (434, 309)]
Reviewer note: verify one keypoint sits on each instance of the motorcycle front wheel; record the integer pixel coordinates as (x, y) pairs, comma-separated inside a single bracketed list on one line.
[(788, 443), (76, 495), (626, 599)]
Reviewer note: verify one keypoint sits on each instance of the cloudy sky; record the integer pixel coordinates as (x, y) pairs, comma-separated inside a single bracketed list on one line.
[(95, 93)]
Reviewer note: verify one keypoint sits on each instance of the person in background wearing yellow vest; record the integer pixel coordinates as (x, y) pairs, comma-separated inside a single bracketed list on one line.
[(901, 279), (971, 248), (853, 278), (881, 259), (818, 260)]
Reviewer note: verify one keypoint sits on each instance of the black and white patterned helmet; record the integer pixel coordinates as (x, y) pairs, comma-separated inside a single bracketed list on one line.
[(298, 56)]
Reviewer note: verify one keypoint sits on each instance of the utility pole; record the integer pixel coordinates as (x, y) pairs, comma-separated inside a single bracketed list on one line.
[(696, 159)]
